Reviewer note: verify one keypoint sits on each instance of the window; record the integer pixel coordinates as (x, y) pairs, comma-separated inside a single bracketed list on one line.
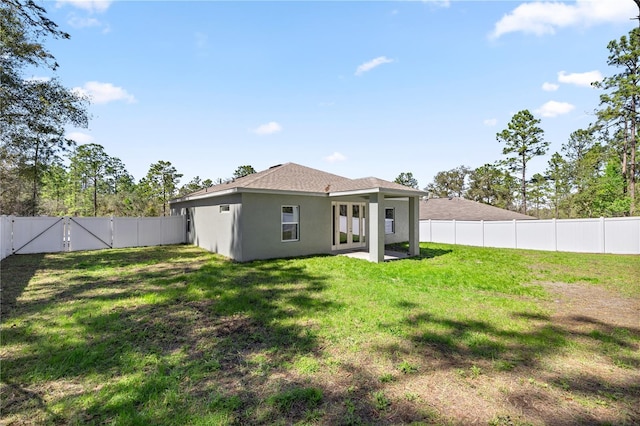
[(290, 219), (224, 208), (389, 221)]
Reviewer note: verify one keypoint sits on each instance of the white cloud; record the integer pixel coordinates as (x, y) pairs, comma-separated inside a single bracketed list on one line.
[(80, 137), (335, 157), (268, 129), (82, 22), (550, 87), (92, 6), (554, 109), (580, 79), (490, 122), (368, 66), (542, 18), (102, 93)]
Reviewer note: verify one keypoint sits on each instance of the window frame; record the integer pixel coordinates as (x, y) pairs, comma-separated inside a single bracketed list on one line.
[(225, 208), (296, 215)]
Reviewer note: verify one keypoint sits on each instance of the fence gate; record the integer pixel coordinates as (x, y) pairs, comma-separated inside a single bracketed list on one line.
[(89, 233), (38, 235), (25, 235)]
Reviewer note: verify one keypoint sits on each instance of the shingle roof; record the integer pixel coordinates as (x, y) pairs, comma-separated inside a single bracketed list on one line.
[(296, 178), (462, 209)]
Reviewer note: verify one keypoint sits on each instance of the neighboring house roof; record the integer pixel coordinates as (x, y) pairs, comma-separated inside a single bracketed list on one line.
[(292, 177), (462, 209)]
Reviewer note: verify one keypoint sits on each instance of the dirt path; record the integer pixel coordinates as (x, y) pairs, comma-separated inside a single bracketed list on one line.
[(585, 303)]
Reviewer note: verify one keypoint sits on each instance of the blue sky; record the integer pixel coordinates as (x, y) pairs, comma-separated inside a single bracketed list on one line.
[(353, 88)]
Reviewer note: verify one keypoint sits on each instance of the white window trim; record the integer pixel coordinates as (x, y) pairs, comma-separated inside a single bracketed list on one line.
[(282, 223)]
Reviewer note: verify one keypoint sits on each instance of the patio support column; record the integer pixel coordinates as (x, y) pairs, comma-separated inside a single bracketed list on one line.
[(414, 226), (376, 228)]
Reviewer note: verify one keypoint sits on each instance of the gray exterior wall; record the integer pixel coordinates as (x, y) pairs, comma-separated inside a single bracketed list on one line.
[(252, 227), (211, 229), (401, 233), (262, 226)]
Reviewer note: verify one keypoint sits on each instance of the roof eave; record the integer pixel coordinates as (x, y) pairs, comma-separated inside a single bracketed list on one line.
[(246, 190), (378, 190)]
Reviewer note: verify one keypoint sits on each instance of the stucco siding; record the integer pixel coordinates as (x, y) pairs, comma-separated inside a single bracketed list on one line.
[(214, 228), (262, 226), (401, 233)]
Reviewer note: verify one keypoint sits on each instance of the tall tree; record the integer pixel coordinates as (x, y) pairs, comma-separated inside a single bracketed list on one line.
[(89, 168), (559, 176), (33, 113), (55, 190), (523, 141), (407, 179), (490, 184), (620, 106), (195, 184), (161, 184), (538, 189), (243, 171), (450, 183)]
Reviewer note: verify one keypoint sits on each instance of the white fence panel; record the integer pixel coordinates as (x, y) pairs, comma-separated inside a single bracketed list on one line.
[(37, 235), (174, 230), (5, 236), (469, 233), (622, 236), (150, 231), (443, 231), (125, 232), (425, 230), (536, 235), (580, 235), (22, 235), (89, 233), (500, 234), (610, 235)]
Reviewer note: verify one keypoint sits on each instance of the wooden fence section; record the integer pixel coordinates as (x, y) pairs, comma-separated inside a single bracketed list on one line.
[(22, 235), (602, 235)]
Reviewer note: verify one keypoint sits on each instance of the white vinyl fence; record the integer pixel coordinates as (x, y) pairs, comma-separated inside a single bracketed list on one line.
[(22, 235), (610, 235)]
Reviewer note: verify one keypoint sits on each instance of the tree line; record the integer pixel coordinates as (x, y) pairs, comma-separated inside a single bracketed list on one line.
[(41, 171), (594, 174)]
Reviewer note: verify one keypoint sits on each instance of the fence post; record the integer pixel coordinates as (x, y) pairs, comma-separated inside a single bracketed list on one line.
[(112, 230), (482, 228), (515, 233), (602, 235), (66, 234), (555, 234), (455, 232)]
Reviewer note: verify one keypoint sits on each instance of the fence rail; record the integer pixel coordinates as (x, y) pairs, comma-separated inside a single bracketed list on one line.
[(21, 235), (601, 235)]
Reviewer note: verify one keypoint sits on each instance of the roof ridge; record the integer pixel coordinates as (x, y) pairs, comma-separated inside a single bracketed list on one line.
[(262, 173)]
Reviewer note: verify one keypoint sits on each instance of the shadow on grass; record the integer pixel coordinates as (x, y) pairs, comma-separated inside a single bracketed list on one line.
[(425, 252), (15, 273), (170, 335), (462, 346)]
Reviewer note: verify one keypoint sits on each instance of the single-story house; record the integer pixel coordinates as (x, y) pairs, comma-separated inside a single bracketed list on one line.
[(455, 208), (291, 210)]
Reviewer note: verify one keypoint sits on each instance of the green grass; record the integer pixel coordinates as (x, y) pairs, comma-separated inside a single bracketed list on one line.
[(176, 335)]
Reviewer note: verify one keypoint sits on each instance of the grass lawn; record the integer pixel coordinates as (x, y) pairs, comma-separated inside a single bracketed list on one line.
[(175, 335)]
